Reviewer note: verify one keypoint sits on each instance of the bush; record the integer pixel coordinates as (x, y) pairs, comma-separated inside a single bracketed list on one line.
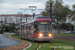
[(8, 28), (66, 26)]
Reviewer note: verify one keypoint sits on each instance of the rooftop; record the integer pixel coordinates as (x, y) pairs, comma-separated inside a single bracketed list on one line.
[(15, 15)]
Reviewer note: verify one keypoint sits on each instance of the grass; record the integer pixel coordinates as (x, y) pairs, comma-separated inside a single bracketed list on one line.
[(64, 41), (16, 36), (6, 32), (34, 46), (63, 34), (60, 45), (45, 46)]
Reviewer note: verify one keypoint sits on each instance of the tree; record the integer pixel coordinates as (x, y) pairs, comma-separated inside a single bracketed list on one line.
[(59, 12), (66, 26), (73, 13), (7, 28), (68, 12), (12, 27)]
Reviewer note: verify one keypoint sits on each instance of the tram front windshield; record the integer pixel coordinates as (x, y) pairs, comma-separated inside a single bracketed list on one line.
[(44, 27)]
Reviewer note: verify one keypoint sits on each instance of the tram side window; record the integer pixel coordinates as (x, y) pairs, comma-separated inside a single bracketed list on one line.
[(25, 28), (29, 29), (32, 28), (20, 29), (35, 27)]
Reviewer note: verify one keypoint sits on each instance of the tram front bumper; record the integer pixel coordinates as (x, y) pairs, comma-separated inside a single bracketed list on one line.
[(44, 38)]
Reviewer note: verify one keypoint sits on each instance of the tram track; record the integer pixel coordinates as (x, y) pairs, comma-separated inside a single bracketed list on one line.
[(54, 47), (39, 47)]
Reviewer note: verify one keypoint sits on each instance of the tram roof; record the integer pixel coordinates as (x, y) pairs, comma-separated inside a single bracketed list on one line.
[(42, 19), (39, 19)]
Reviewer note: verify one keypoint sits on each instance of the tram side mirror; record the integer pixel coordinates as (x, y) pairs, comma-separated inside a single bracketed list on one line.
[(33, 15), (35, 23)]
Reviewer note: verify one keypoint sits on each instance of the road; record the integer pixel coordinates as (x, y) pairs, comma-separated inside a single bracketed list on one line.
[(6, 42)]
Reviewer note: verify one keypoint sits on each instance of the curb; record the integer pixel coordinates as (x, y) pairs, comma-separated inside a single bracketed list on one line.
[(28, 46)]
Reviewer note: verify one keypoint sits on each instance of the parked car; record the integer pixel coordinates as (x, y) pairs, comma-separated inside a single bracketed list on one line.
[(72, 32), (67, 32)]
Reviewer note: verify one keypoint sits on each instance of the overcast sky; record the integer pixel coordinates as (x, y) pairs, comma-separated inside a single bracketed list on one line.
[(13, 6)]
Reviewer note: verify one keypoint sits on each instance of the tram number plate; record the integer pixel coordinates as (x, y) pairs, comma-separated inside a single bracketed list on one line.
[(44, 22)]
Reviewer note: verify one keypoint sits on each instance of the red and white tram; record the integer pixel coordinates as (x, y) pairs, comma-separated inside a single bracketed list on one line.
[(37, 30)]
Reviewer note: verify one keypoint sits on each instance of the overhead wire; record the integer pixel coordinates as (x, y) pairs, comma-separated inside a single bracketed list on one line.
[(36, 2)]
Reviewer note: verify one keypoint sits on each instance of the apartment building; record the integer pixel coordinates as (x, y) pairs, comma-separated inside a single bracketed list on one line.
[(14, 18)]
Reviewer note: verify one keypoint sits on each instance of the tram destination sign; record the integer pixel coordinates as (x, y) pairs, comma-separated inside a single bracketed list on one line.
[(44, 23)]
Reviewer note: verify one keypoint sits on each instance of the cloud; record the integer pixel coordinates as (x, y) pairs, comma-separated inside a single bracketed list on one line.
[(40, 5), (4, 10), (6, 5), (69, 3), (9, 7)]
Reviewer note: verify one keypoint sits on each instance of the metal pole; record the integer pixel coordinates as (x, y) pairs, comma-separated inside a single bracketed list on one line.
[(25, 26), (74, 28), (1, 27), (51, 13), (33, 15), (51, 10), (21, 24), (10, 27), (26, 17), (5, 24)]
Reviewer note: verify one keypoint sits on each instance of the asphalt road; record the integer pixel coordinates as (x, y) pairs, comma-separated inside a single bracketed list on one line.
[(6, 42)]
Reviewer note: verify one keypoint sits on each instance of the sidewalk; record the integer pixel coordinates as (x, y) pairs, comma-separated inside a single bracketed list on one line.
[(8, 33)]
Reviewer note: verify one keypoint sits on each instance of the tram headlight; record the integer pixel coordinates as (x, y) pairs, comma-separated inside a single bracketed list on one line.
[(49, 34), (40, 34)]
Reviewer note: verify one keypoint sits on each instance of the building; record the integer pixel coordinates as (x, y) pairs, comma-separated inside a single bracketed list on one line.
[(14, 18), (69, 20)]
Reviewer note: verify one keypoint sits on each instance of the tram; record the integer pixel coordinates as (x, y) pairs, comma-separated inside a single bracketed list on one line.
[(39, 29)]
